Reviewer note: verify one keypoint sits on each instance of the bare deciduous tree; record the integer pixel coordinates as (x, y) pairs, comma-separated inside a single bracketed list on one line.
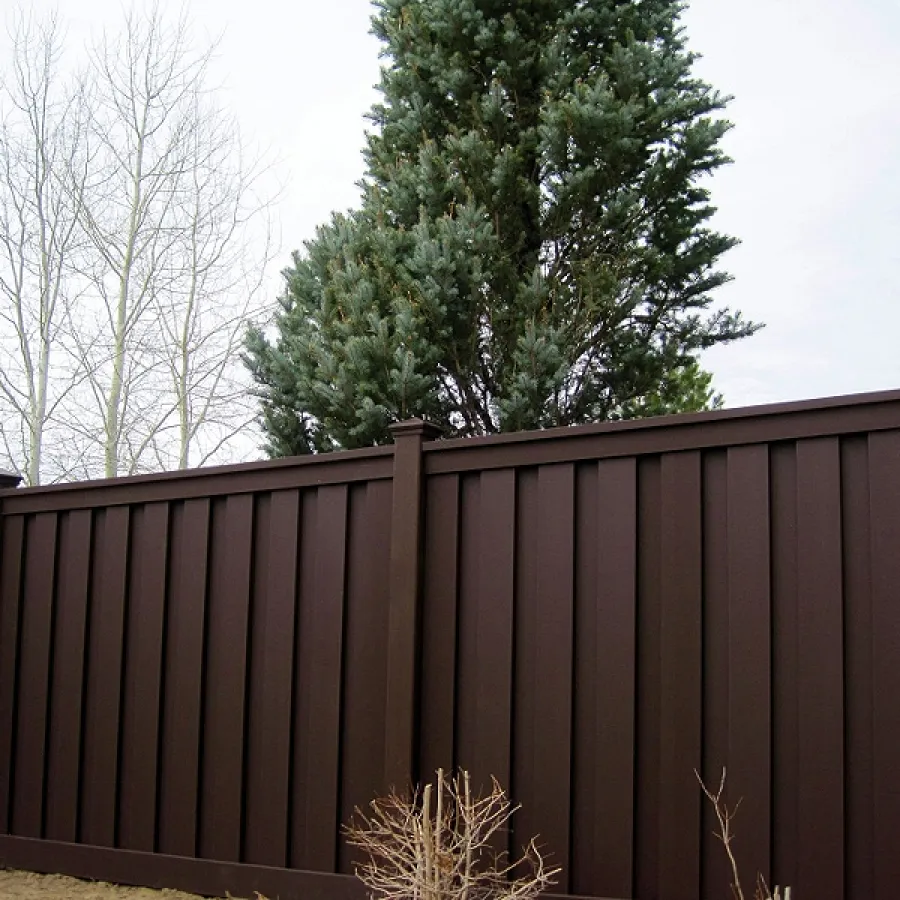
[(167, 213), (41, 138), (168, 240)]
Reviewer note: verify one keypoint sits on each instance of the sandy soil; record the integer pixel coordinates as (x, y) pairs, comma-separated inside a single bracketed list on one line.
[(28, 886)]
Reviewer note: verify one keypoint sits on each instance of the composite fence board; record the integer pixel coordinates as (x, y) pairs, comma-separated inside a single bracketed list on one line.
[(587, 776), (715, 871), (225, 688), (183, 679), (527, 672), (820, 707), (70, 628), (35, 653), (749, 650), (327, 658), (859, 692), (320, 636), (439, 625), (302, 813), (604, 685), (681, 675), (253, 786), (485, 685), (648, 737), (12, 535), (544, 614), (528, 668), (142, 685), (103, 692), (884, 468), (786, 759), (271, 692), (362, 732)]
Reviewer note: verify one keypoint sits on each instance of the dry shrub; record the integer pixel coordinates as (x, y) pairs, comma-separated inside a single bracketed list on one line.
[(437, 845), (724, 815)]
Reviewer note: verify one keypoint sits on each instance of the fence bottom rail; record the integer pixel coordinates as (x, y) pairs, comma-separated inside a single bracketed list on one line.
[(158, 870)]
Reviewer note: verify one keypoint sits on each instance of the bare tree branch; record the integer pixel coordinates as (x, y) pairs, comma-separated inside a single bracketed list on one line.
[(724, 817)]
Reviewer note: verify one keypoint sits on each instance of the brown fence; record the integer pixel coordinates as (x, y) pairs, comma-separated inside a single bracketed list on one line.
[(201, 674)]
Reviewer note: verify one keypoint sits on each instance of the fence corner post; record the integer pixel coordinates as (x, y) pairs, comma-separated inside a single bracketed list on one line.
[(405, 584)]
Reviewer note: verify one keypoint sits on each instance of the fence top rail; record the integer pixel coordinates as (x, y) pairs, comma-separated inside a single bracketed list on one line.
[(265, 475), (854, 413), (793, 420)]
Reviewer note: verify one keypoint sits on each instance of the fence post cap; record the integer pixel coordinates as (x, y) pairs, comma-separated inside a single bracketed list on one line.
[(9, 479), (428, 430)]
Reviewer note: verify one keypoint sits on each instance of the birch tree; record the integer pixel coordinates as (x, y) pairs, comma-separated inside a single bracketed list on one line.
[(41, 140), (167, 213), (169, 238)]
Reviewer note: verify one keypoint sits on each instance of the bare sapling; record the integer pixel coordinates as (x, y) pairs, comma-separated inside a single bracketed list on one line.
[(439, 844), (725, 834)]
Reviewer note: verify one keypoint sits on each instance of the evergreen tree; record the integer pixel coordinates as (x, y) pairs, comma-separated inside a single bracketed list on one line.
[(532, 247)]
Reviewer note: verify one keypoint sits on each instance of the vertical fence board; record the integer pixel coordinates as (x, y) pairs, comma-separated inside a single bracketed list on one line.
[(681, 675), (715, 871), (365, 658), (302, 817), (143, 677), (439, 624), (222, 806), (544, 670), (616, 566), (100, 769), (859, 693), (749, 651), (820, 788), (603, 814), (785, 666), (589, 788), (884, 463), (649, 681), (34, 670), (70, 630), (270, 717), (467, 683), (526, 657), (12, 545), (319, 663), (486, 628), (183, 685)]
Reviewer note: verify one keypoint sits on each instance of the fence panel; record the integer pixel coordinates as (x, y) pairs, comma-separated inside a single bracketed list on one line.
[(203, 674), (678, 601), (176, 678)]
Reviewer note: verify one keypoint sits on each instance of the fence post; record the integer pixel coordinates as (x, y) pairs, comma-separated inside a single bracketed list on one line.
[(401, 712)]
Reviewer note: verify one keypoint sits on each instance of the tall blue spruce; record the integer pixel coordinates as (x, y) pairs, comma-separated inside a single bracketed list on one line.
[(533, 245)]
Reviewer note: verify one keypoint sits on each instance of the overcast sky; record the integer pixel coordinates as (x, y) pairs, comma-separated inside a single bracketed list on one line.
[(813, 194)]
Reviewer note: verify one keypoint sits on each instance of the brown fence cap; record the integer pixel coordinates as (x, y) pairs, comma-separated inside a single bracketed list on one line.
[(428, 430)]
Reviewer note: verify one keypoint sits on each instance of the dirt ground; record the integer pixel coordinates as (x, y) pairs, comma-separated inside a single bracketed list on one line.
[(28, 886)]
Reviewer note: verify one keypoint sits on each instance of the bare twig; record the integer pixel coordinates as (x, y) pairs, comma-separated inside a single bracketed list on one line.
[(725, 834), (436, 845)]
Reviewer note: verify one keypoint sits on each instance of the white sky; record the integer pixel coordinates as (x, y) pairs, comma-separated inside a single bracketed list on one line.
[(813, 193)]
